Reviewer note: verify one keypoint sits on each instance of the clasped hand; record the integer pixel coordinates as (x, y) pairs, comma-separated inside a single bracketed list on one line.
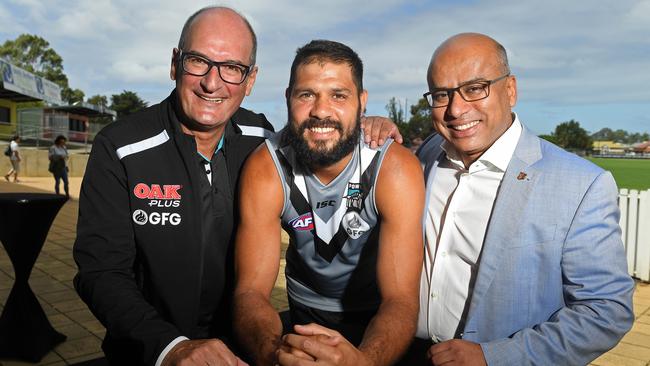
[(314, 344)]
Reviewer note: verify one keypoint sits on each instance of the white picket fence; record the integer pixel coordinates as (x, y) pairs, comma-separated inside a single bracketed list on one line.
[(635, 223)]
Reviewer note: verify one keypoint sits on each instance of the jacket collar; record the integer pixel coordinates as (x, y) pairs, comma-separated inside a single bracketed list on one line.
[(512, 197)]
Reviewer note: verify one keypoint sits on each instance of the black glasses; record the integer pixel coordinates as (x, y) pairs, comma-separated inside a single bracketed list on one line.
[(470, 92), (197, 65)]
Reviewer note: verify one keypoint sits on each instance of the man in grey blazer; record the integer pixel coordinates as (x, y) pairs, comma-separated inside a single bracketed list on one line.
[(524, 262)]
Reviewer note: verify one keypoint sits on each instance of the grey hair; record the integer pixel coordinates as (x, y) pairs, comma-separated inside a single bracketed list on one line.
[(188, 24)]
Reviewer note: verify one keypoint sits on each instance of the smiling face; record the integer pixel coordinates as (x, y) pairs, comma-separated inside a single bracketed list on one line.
[(207, 102), (324, 111), (471, 127)]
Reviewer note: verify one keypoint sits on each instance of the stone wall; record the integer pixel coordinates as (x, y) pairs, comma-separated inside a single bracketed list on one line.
[(35, 162)]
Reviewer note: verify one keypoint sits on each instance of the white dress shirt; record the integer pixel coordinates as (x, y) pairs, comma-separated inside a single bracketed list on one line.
[(459, 205)]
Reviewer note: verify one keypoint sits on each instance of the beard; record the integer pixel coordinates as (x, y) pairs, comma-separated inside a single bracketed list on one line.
[(321, 156)]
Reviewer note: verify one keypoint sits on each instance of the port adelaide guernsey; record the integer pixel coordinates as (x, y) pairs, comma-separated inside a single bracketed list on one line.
[(333, 230)]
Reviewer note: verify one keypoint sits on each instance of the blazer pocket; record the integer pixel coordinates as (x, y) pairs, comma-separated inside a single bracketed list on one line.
[(534, 235)]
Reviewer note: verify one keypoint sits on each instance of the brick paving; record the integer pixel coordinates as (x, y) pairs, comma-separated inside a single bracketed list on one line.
[(51, 281)]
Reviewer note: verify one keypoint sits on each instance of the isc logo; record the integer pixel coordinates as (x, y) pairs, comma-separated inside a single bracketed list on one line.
[(166, 192), (303, 222)]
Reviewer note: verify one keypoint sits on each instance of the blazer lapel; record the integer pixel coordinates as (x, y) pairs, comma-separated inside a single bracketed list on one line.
[(514, 191)]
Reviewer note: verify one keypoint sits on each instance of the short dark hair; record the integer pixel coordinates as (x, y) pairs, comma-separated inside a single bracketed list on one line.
[(321, 50), (188, 24), (15, 137), (59, 138)]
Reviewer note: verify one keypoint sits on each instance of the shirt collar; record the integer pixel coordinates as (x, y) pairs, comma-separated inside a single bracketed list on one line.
[(495, 158), (219, 147)]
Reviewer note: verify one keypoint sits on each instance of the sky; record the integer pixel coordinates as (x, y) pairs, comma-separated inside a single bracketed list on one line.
[(587, 60)]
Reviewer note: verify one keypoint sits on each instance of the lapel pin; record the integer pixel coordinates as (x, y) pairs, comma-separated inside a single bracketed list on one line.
[(521, 176)]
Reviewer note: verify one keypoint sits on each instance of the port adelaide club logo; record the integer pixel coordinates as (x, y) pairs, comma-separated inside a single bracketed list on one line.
[(159, 197)]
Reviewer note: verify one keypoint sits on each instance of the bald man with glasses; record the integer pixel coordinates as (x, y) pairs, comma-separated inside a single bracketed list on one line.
[(524, 262)]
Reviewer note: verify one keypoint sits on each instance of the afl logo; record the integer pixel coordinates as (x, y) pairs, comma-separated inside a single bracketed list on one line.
[(302, 223), (140, 217)]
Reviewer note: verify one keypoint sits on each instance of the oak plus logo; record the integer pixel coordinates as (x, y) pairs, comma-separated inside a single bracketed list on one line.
[(159, 196), (140, 217)]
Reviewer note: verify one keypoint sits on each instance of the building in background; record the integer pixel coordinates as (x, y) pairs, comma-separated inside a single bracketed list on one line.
[(609, 148), (32, 107)]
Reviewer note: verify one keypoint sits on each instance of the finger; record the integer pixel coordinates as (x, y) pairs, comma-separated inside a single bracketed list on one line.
[(288, 359), (364, 122), (294, 340), (240, 362), (441, 355), (320, 351), (314, 329), (330, 341), (445, 358), (295, 351), (219, 351), (312, 345), (397, 136), (365, 130), (377, 126), (300, 354)]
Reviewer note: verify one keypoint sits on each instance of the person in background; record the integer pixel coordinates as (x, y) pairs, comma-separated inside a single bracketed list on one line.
[(14, 157), (58, 155)]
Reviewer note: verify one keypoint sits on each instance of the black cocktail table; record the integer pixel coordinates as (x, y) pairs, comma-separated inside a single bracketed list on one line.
[(25, 219)]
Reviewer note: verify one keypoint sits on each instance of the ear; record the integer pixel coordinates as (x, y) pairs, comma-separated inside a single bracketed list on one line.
[(363, 99), (250, 80), (172, 70), (511, 89)]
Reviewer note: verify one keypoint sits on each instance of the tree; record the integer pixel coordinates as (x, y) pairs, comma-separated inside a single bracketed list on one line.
[(571, 136), (102, 101), (420, 123), (126, 103), (418, 126), (639, 137), (99, 100), (395, 111), (35, 55), (605, 134), (72, 96)]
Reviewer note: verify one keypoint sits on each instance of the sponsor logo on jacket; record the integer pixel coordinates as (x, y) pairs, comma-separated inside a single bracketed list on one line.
[(167, 195), (141, 217), (303, 222)]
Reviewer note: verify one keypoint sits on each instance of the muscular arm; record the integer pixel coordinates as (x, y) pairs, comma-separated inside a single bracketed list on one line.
[(257, 257), (400, 201)]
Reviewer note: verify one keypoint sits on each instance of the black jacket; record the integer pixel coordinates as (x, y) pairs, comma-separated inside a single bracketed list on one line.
[(138, 244)]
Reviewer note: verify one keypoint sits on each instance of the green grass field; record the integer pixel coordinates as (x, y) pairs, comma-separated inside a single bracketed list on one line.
[(629, 173)]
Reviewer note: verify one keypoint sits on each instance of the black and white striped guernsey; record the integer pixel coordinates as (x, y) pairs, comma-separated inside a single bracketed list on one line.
[(333, 230)]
